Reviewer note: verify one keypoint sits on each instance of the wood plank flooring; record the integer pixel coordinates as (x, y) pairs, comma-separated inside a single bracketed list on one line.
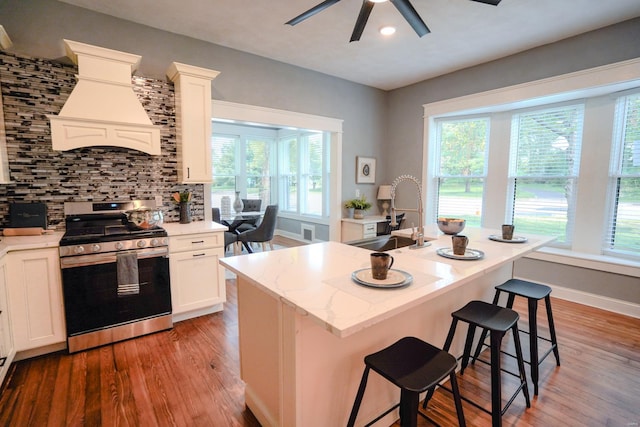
[(189, 376)]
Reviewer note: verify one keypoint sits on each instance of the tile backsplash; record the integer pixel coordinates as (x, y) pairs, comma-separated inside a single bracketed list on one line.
[(34, 88)]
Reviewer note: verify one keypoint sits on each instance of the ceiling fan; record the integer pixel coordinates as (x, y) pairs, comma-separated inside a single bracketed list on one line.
[(404, 7)]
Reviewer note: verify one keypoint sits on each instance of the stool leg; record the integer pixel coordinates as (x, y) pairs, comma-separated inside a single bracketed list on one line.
[(496, 386), (533, 342), (523, 375), (467, 348), (456, 398), (358, 401), (409, 402), (552, 329)]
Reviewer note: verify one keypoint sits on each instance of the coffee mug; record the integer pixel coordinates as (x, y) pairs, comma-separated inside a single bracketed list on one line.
[(459, 244), (380, 264), (507, 231)]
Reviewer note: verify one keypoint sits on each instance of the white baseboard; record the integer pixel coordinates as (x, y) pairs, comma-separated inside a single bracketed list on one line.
[(597, 301)]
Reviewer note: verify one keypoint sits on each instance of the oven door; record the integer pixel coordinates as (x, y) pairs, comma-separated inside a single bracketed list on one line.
[(91, 297)]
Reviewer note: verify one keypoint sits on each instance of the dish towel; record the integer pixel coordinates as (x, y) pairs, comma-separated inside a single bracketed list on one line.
[(128, 281)]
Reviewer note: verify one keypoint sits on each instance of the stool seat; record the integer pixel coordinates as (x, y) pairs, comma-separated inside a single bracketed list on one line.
[(525, 289), (414, 366), (488, 316)]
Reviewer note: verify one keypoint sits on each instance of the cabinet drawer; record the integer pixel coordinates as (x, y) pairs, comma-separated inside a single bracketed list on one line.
[(193, 242)]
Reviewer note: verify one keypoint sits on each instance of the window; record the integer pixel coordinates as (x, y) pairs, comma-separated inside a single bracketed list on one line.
[(461, 169), (225, 167), (623, 224), (304, 173), (544, 165)]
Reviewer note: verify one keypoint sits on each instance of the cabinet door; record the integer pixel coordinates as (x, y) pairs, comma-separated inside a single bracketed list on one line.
[(35, 298), (7, 350), (197, 280)]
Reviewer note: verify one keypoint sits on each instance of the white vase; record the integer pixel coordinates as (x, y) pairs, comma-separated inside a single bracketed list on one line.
[(225, 206), (237, 203)]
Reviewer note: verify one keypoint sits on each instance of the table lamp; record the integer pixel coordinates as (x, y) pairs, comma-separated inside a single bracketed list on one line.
[(384, 194)]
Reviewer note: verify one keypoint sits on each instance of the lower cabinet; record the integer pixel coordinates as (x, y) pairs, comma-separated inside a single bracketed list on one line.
[(197, 279), (7, 349), (35, 298)]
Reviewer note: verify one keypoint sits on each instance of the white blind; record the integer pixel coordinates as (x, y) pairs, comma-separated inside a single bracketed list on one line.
[(623, 228), (544, 165)]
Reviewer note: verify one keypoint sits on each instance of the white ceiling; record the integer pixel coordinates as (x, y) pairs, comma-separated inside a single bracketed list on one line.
[(463, 32)]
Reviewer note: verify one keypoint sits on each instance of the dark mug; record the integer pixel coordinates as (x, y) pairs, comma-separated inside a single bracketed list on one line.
[(459, 243), (507, 231), (380, 264)]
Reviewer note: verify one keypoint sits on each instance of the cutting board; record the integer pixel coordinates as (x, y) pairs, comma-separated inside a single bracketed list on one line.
[(23, 231)]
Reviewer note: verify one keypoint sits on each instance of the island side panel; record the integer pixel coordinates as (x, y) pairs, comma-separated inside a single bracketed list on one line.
[(261, 359)]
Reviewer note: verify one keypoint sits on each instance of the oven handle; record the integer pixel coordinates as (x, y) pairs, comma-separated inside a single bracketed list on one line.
[(109, 257)]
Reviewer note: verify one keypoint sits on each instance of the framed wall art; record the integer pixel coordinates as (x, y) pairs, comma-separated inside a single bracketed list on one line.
[(365, 170)]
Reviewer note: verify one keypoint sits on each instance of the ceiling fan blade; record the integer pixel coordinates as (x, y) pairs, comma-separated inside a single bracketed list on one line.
[(363, 17), (491, 2), (406, 9), (309, 13)]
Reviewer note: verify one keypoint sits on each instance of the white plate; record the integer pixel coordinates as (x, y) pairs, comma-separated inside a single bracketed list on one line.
[(469, 254), (515, 239), (395, 278)]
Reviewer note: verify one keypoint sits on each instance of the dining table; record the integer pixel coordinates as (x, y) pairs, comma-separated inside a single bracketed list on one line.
[(236, 219)]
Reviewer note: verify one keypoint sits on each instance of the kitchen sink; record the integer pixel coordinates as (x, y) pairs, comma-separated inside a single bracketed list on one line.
[(382, 243)]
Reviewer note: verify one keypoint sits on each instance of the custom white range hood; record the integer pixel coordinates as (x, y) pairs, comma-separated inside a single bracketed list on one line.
[(102, 109)]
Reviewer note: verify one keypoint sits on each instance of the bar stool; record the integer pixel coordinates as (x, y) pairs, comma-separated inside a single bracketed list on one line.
[(414, 366), (534, 292), (498, 321)]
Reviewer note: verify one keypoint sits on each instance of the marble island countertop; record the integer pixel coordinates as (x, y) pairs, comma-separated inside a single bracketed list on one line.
[(316, 279)]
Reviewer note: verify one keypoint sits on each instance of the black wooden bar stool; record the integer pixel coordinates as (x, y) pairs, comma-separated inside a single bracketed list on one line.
[(498, 321), (533, 292), (414, 366)]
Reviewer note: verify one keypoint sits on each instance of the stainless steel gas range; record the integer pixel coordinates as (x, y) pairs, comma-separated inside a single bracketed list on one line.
[(115, 276)]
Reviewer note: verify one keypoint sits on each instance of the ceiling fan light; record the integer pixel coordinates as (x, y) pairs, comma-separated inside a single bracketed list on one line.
[(378, 1), (387, 30)]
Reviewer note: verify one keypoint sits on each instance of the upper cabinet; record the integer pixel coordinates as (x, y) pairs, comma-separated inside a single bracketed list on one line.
[(193, 121)]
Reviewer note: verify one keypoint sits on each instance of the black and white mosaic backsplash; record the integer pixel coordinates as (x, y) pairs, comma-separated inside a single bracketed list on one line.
[(34, 88)]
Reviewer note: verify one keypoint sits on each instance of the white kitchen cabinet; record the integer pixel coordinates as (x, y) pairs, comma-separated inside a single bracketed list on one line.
[(357, 229), (35, 298), (7, 349), (197, 279), (193, 121)]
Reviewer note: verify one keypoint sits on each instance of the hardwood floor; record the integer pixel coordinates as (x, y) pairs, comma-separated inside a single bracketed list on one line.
[(189, 376)]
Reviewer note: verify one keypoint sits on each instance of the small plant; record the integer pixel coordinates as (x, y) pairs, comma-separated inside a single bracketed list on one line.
[(184, 197), (360, 203)]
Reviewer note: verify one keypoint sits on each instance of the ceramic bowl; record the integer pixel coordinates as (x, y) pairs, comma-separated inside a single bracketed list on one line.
[(451, 225)]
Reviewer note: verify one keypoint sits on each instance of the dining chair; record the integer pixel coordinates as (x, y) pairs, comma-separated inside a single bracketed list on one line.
[(230, 238), (250, 205), (387, 225), (264, 232)]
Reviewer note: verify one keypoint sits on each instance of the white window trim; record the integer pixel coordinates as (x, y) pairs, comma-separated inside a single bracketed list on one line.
[(582, 84)]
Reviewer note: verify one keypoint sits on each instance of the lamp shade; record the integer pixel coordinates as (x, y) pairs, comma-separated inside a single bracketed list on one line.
[(384, 192)]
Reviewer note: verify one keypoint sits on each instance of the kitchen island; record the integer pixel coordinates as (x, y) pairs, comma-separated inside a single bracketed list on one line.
[(305, 326)]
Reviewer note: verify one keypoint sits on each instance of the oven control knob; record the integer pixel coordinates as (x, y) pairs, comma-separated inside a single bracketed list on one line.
[(154, 242), (95, 248), (78, 249), (141, 243), (119, 246)]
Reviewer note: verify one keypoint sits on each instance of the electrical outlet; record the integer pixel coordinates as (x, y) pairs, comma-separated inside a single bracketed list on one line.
[(357, 193), (158, 201)]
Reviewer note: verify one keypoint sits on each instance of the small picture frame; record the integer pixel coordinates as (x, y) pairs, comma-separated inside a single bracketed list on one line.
[(365, 170)]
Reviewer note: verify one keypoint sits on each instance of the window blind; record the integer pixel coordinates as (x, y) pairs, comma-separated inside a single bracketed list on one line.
[(623, 225)]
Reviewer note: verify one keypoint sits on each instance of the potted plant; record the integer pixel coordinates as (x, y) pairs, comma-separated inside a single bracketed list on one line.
[(358, 205)]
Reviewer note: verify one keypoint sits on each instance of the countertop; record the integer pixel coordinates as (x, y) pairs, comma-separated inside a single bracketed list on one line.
[(316, 279), (20, 243), (195, 227)]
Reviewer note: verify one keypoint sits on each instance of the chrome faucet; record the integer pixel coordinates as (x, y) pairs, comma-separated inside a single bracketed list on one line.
[(418, 235)]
